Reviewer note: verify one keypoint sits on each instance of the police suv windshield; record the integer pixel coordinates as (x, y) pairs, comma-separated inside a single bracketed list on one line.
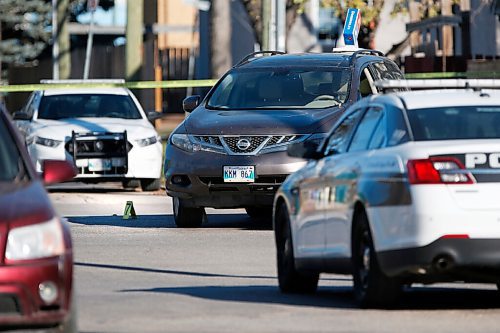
[(455, 123), (87, 105), (281, 88)]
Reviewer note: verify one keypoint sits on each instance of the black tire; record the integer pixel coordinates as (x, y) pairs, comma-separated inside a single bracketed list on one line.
[(264, 212), (372, 288), (150, 184), (130, 183), (187, 217), (289, 278)]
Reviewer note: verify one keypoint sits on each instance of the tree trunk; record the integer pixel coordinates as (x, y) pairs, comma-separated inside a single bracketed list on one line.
[(221, 37)]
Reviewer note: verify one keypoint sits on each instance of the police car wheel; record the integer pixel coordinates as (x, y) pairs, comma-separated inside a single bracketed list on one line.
[(187, 217), (290, 280), (372, 288)]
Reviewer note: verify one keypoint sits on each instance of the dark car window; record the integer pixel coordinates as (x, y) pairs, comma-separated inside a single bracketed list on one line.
[(338, 140), (365, 129), (275, 88), (88, 105), (11, 164), (455, 123)]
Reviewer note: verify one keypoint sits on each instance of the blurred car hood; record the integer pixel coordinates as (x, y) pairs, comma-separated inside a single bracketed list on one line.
[(298, 121)]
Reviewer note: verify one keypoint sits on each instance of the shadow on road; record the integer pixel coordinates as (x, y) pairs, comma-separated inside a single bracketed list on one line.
[(415, 299), (169, 271), (333, 297), (232, 221), (176, 272), (77, 187)]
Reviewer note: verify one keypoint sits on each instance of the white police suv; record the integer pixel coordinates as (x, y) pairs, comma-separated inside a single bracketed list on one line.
[(104, 131), (404, 189)]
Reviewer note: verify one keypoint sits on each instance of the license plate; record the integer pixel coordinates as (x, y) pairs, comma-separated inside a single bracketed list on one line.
[(239, 174), (98, 164)]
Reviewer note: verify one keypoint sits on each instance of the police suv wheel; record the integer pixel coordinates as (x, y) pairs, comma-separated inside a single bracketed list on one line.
[(290, 280), (130, 183), (372, 288), (150, 184), (187, 217)]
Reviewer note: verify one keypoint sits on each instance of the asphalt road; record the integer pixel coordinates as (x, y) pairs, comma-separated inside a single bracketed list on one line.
[(144, 275)]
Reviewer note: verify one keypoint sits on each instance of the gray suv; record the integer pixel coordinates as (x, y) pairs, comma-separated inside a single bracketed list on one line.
[(230, 152)]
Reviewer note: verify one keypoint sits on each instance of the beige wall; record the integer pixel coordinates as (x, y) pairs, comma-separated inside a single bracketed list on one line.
[(176, 13)]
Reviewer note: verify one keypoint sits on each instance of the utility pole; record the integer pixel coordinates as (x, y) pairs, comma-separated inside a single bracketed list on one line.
[(274, 25), (91, 6), (55, 42), (134, 35), (63, 41), (266, 24)]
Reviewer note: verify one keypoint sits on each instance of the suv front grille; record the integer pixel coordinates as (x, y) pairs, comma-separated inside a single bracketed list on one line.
[(246, 144)]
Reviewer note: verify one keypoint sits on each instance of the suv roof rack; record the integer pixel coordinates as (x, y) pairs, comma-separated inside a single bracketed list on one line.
[(356, 51), (255, 55), (73, 81), (419, 84)]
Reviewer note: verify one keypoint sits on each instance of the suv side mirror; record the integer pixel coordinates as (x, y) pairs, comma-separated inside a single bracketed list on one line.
[(57, 171), (190, 103), (306, 149), (21, 115)]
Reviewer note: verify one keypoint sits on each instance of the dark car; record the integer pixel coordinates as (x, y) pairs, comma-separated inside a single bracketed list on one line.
[(230, 152), (36, 269)]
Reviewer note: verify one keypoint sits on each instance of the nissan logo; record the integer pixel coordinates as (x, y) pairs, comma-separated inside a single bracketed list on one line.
[(243, 144)]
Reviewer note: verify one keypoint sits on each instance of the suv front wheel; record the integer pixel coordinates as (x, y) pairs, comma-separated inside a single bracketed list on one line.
[(187, 217)]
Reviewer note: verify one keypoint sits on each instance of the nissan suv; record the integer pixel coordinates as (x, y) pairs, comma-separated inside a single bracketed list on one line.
[(230, 151)]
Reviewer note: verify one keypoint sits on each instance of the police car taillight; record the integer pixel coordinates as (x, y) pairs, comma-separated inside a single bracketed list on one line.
[(438, 171)]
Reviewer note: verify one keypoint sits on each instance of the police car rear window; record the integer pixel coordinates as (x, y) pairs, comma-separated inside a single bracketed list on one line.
[(455, 123)]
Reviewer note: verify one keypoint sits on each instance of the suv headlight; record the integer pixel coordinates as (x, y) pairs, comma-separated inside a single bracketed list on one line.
[(47, 142), (147, 141), (35, 241), (183, 142)]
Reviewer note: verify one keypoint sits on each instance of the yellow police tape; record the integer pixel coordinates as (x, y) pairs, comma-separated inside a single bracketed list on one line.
[(204, 83), (94, 84)]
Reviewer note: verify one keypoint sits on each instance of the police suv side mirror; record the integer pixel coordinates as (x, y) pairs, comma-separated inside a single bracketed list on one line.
[(153, 115), (190, 103), (306, 149), (21, 115)]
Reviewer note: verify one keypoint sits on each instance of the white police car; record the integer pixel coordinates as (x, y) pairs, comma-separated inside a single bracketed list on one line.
[(104, 131), (404, 189)]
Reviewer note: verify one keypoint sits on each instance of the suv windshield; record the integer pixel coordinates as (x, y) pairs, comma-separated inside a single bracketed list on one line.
[(455, 123), (87, 105), (277, 88), (11, 164)]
